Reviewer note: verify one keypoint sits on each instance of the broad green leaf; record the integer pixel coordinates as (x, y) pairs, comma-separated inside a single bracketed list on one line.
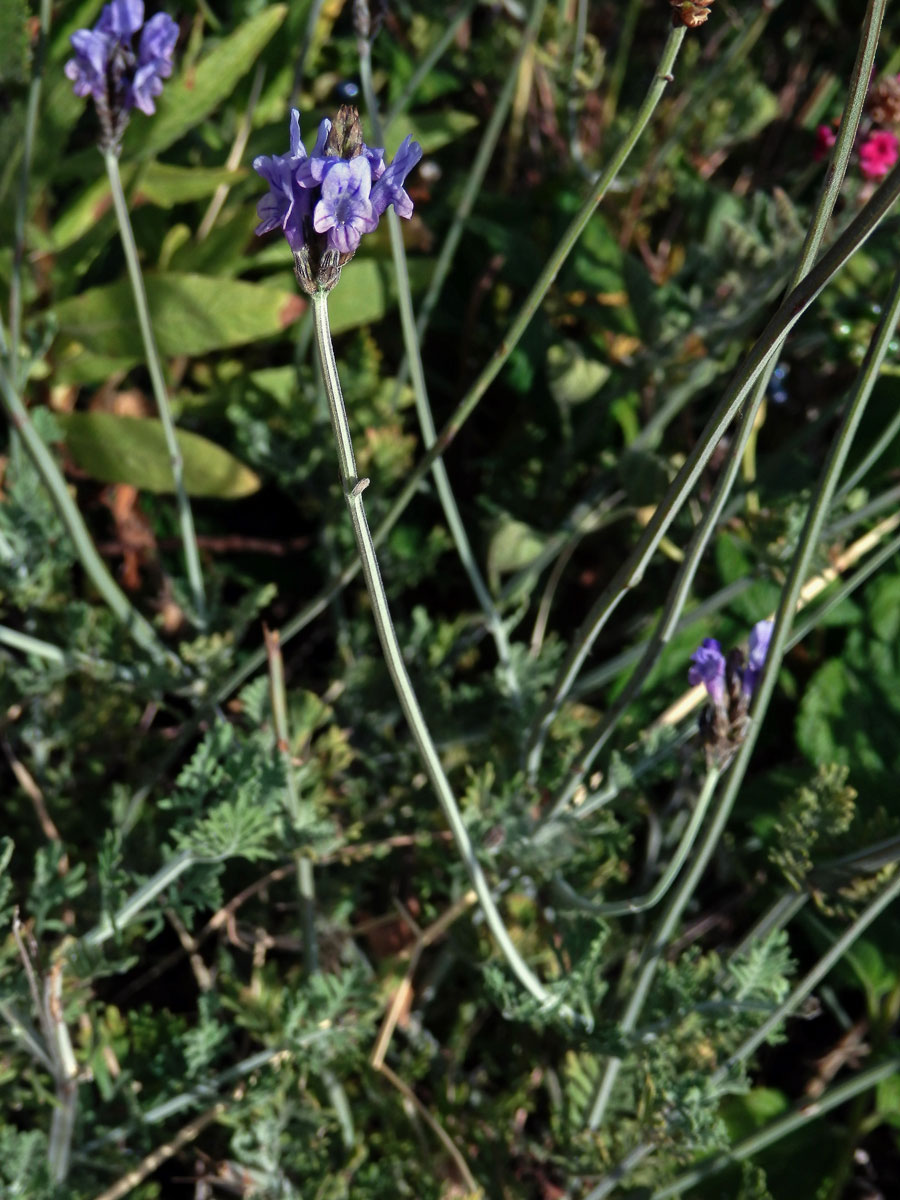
[(133, 450), (194, 94), (192, 314), (165, 185)]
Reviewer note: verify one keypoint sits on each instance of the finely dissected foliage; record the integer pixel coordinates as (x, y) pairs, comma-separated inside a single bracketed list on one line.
[(510, 811)]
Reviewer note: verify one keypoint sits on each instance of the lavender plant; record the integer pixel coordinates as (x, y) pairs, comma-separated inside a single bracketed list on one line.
[(656, 706)]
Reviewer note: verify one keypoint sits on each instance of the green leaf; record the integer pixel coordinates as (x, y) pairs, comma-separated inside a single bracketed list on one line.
[(133, 450), (192, 314), (166, 186), (196, 92), (13, 41)]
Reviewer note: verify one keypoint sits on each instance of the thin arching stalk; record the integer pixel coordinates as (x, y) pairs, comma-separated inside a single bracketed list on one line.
[(353, 494)]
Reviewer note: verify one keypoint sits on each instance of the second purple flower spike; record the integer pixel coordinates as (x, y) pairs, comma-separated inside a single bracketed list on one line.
[(107, 68)]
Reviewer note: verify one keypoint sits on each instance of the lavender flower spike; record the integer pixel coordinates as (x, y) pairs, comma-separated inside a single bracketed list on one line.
[(758, 648), (325, 201), (709, 669), (106, 67)]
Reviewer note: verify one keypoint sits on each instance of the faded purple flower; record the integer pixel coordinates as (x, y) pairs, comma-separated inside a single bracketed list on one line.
[(337, 192), (106, 67), (757, 649), (345, 210), (709, 669), (154, 61), (286, 205)]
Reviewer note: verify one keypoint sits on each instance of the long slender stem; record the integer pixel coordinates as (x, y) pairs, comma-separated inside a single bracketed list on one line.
[(51, 476), (632, 570), (637, 904), (423, 404), (160, 394), (353, 492)]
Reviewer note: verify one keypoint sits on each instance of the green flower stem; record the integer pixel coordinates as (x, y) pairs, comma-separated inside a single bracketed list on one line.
[(769, 1135), (636, 904), (62, 1123), (95, 568), (160, 395), (423, 404), (31, 116), (808, 542), (353, 492), (631, 572)]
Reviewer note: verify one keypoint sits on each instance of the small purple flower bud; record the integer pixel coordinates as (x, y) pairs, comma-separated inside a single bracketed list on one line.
[(758, 648), (389, 188), (709, 669), (120, 19), (154, 61), (88, 68), (345, 211)]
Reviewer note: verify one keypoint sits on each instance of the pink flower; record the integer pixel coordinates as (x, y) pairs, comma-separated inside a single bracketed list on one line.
[(825, 139), (878, 153)]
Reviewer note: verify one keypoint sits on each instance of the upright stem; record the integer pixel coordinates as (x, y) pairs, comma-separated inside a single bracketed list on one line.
[(353, 492), (160, 394)]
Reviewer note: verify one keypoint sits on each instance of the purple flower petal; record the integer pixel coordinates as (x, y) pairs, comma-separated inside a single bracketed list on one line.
[(286, 205), (757, 649), (154, 61), (345, 211), (389, 188), (709, 669), (121, 18)]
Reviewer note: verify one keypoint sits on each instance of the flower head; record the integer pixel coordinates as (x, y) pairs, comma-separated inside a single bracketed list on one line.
[(106, 67), (708, 668), (878, 153), (325, 201)]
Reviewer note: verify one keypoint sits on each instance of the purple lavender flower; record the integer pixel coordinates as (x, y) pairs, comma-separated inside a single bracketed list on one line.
[(345, 210), (286, 205), (337, 192), (757, 649), (709, 669), (154, 61), (106, 67)]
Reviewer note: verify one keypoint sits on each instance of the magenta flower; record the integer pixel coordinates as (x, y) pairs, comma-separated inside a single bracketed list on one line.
[(825, 139), (878, 153)]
